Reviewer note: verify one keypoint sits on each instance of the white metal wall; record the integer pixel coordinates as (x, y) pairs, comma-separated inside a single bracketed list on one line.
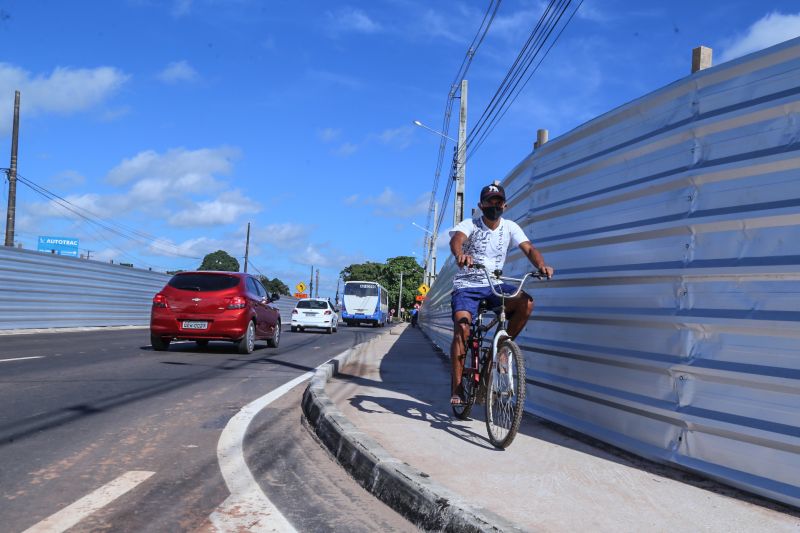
[(673, 222), (48, 291)]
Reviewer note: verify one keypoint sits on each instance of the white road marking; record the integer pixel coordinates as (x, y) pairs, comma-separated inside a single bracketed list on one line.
[(72, 514), (247, 508), (21, 358)]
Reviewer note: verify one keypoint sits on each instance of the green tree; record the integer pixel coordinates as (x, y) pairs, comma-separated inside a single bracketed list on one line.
[(274, 285), (368, 271), (412, 278), (220, 260)]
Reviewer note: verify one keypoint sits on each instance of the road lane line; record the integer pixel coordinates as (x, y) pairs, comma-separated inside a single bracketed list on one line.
[(248, 508), (99, 498), (21, 358)]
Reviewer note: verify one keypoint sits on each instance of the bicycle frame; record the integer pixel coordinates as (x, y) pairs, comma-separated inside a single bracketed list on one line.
[(501, 332)]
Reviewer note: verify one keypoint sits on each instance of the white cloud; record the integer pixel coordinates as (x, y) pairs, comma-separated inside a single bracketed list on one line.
[(67, 180), (325, 256), (327, 135), (181, 8), (592, 13), (185, 168), (311, 255), (772, 29), (349, 19), (346, 149), (64, 91), (439, 26), (282, 235), (391, 205), (95, 204), (111, 115), (350, 200), (397, 137), (197, 247), (224, 209), (178, 71)]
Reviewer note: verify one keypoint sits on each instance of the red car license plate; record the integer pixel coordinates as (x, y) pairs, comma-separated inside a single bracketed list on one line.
[(194, 324)]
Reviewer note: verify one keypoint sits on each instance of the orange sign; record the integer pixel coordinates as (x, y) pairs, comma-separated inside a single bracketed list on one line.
[(300, 295), (420, 298)]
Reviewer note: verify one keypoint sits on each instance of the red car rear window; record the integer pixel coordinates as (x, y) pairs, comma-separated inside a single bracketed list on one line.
[(203, 282)]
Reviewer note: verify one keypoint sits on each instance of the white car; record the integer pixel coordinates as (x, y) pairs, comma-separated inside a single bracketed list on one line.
[(314, 313)]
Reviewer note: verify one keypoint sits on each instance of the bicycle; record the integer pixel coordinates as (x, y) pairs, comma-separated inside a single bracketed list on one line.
[(494, 374)]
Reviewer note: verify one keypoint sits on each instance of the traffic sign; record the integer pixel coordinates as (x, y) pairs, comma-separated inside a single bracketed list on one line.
[(423, 289), (301, 287), (420, 298), (300, 295)]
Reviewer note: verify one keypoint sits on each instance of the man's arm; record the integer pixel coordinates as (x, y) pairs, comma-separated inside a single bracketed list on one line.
[(536, 259), (457, 249)]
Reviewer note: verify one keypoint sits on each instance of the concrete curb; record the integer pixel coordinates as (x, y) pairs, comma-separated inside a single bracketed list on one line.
[(407, 490)]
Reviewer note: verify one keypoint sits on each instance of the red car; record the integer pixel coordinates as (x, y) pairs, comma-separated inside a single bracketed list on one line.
[(214, 306)]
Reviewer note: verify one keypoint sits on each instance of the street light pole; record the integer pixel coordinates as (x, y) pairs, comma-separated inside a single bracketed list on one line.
[(461, 158), (430, 244), (400, 296)]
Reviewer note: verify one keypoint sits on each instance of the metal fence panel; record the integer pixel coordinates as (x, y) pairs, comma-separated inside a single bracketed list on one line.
[(671, 329), (49, 291)]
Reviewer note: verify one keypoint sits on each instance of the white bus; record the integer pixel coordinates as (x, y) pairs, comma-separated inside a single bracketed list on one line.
[(365, 301)]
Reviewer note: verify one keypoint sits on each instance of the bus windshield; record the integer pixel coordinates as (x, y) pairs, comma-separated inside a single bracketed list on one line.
[(360, 289)]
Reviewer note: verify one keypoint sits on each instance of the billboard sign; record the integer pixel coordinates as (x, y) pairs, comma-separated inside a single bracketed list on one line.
[(59, 245)]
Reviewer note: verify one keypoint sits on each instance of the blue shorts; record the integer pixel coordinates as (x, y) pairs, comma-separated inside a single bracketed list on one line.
[(469, 298)]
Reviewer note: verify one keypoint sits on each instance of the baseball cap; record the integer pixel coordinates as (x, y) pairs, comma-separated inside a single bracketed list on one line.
[(493, 190)]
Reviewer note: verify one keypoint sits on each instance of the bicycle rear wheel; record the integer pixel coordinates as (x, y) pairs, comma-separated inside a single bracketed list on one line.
[(505, 396)]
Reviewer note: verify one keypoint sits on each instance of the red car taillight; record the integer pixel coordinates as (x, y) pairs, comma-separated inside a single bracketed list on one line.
[(159, 300), (327, 312), (237, 302)]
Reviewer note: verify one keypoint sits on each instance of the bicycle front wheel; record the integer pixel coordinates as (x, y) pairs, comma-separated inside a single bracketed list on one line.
[(505, 395)]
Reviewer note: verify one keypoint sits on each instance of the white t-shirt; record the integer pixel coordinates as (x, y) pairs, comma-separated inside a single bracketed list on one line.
[(487, 247)]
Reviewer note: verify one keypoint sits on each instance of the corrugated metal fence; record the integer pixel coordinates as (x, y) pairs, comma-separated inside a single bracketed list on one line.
[(49, 291), (671, 329)]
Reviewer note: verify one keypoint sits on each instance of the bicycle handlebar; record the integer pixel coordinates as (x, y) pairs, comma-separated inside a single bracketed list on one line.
[(498, 274)]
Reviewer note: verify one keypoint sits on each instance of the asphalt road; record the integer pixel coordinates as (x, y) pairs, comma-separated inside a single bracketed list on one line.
[(101, 410)]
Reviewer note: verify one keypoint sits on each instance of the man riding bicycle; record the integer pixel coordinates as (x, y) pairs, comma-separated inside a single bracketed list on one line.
[(485, 240)]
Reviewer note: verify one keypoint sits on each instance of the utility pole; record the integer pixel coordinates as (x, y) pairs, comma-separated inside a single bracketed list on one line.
[(434, 236), (311, 282), (11, 212), (400, 296), (316, 295), (247, 247), (461, 157), (89, 254)]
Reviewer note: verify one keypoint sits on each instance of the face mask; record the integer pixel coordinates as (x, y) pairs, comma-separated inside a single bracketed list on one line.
[(492, 213)]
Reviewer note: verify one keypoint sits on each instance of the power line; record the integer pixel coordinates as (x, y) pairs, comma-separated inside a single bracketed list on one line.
[(518, 75), (116, 228), (480, 35)]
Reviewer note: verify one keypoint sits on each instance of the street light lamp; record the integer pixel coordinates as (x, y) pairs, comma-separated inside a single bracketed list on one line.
[(431, 238), (459, 157), (421, 125), (420, 227)]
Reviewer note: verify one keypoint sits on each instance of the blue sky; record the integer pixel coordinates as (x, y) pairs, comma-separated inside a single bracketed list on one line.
[(184, 120)]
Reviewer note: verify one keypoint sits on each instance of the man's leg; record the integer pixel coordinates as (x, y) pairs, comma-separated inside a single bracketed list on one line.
[(518, 310), (461, 324)]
